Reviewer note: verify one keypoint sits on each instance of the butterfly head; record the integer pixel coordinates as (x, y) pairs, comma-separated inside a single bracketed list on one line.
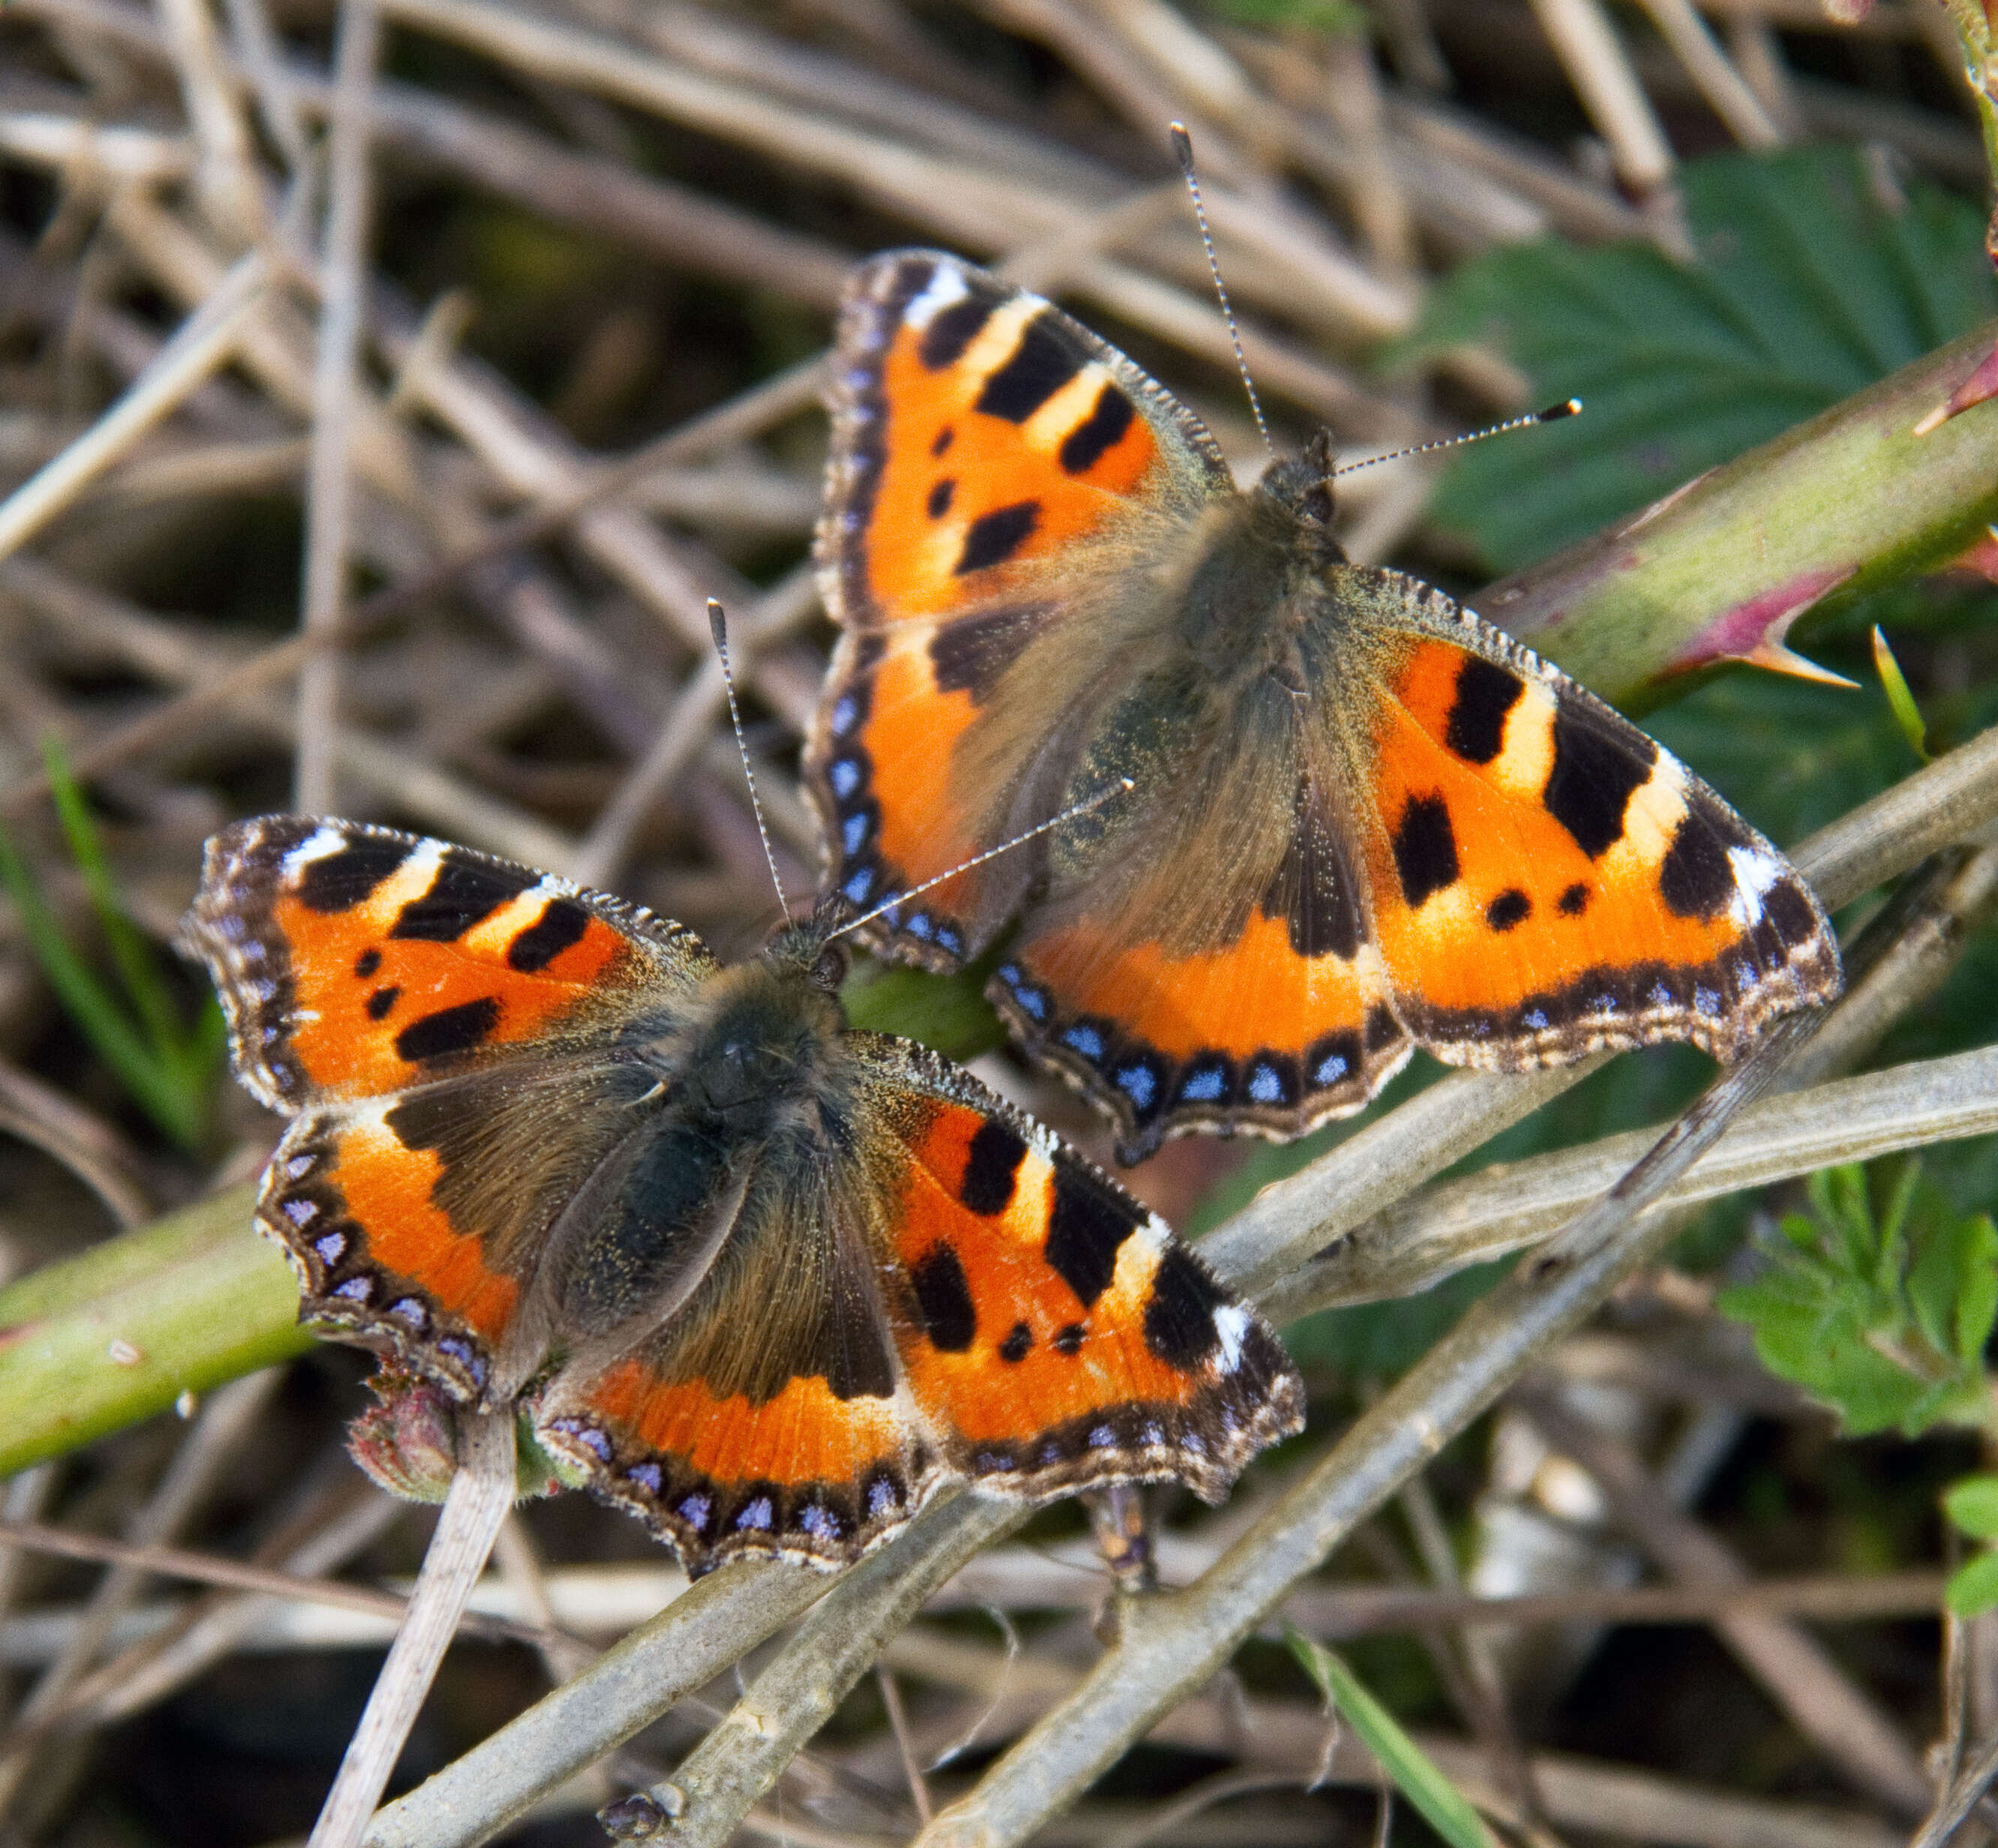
[(770, 1033), (1299, 488), (815, 946)]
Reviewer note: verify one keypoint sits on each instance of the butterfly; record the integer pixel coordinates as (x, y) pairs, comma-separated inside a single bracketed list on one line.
[(761, 1279), (1362, 818)]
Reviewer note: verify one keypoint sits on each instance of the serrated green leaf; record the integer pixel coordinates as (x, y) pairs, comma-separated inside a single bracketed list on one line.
[(1973, 1587), (1800, 1232), (1810, 281), (1972, 1505), (1442, 1805), (1947, 1262), (1883, 1319)]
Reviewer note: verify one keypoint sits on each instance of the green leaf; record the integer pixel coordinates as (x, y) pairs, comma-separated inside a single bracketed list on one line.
[(1343, 19), (1885, 1318), (1443, 1805), (1950, 1286), (1900, 699), (1973, 1587), (1810, 281), (1972, 1505), (129, 951), (948, 1013)]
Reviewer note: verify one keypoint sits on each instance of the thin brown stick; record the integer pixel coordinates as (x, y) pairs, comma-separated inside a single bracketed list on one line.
[(742, 416), (329, 490), (898, 1724), (481, 1489), (1593, 56), (210, 1568), (85, 1144), (205, 1450)]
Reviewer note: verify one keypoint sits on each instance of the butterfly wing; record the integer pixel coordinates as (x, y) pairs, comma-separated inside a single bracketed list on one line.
[(985, 447), (938, 1290), (1052, 1332), (1545, 880), (1218, 972), (443, 1028), (766, 1414), (354, 961)]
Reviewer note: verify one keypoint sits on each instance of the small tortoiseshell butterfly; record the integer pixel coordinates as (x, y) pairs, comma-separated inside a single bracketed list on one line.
[(1363, 817), (763, 1280)]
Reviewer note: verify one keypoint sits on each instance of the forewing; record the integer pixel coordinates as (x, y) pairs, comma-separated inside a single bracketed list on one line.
[(985, 448), (354, 962)]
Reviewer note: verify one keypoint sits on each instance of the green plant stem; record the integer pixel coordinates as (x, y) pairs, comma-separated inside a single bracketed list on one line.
[(102, 1341), (1843, 504)]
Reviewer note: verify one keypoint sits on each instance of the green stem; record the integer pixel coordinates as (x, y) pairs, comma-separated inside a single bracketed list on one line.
[(1843, 504), (100, 1341)]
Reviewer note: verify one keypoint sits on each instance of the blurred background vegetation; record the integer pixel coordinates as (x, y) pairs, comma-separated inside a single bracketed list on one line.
[(571, 231)]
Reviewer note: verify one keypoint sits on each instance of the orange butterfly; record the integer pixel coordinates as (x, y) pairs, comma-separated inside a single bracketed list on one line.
[(762, 1280), (1363, 817)]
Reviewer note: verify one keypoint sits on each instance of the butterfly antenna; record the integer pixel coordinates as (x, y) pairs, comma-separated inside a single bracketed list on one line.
[(1568, 407), (1183, 147), (718, 622), (1118, 788)]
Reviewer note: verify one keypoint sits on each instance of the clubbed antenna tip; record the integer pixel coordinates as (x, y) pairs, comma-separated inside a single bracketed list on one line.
[(1183, 147), (1568, 407)]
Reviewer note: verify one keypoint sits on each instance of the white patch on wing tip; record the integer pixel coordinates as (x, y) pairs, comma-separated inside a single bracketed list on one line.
[(946, 285), (1230, 1324), (319, 844), (1755, 873)]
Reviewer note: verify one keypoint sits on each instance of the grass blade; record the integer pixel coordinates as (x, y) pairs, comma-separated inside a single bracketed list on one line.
[(1442, 1805)]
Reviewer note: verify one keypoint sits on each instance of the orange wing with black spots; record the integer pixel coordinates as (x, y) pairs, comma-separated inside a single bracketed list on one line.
[(1052, 1332), (354, 961), (980, 438), (426, 1014), (767, 1414), (1546, 880), (977, 429)]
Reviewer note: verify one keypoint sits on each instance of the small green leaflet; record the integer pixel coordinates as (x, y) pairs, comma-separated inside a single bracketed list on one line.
[(170, 1067), (1883, 1314), (1972, 1505), (1443, 1805)]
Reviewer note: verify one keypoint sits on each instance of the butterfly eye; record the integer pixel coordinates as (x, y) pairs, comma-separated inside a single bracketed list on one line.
[(1316, 500), (830, 970)]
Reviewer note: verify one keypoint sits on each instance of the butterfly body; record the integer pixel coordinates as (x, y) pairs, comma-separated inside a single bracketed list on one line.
[(763, 1280), (1360, 819)]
